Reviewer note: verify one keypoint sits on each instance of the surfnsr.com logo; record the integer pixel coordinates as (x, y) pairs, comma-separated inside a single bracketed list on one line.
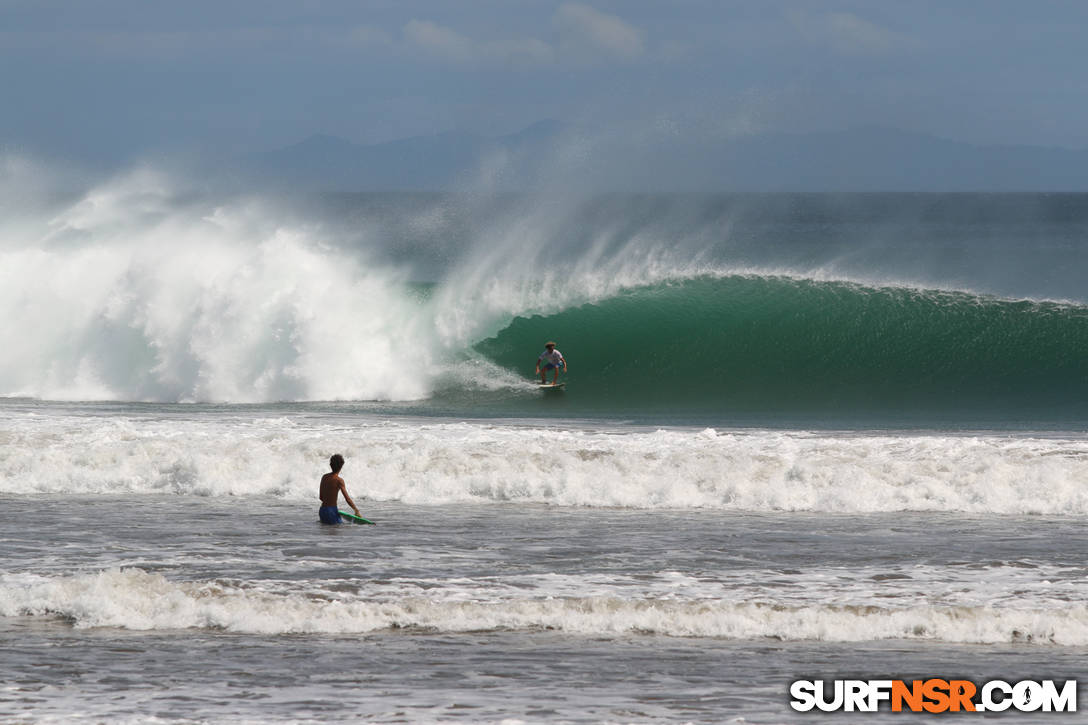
[(933, 695)]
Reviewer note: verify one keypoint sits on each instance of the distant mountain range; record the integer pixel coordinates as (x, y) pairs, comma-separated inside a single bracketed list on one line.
[(553, 155)]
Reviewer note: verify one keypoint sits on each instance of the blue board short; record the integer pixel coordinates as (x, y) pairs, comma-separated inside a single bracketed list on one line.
[(329, 515), (550, 366)]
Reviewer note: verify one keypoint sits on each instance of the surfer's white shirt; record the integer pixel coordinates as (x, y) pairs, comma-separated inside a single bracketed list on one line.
[(554, 357)]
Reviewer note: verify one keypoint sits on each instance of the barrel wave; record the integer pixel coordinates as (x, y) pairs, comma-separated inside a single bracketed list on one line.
[(773, 343), (138, 290)]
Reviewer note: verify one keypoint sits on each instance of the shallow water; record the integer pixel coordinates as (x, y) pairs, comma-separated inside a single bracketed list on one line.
[(215, 609)]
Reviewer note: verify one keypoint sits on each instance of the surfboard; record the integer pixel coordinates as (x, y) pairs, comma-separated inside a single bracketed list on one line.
[(549, 386), (355, 519)]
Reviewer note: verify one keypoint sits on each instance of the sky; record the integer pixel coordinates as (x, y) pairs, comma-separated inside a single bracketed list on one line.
[(119, 78)]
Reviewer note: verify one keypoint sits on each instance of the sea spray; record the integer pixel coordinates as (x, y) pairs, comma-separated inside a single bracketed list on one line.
[(131, 294), (142, 291)]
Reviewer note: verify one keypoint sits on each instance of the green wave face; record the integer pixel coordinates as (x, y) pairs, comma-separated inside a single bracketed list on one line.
[(779, 344)]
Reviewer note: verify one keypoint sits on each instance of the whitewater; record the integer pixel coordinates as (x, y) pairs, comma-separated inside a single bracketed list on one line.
[(134, 292), (802, 437), (50, 450)]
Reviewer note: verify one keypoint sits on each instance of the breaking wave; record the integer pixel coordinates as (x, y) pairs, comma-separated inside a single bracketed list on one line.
[(135, 599), (749, 470)]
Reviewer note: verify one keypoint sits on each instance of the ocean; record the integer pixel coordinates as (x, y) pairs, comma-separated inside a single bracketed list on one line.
[(803, 437)]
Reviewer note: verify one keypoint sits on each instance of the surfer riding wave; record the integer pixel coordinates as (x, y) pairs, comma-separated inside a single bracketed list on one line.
[(550, 359)]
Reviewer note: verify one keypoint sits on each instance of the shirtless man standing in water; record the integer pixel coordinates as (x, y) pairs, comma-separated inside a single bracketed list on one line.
[(331, 487)]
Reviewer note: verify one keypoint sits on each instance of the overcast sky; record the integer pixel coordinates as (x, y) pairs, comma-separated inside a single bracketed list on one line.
[(114, 78)]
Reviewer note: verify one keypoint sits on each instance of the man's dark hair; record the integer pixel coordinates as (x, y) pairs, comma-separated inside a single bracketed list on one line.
[(337, 462)]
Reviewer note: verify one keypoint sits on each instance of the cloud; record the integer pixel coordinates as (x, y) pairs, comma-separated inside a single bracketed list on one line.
[(584, 29), (582, 34), (439, 41), (447, 44), (847, 33)]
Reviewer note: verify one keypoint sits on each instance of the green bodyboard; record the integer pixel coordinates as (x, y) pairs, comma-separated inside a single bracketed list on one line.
[(355, 519)]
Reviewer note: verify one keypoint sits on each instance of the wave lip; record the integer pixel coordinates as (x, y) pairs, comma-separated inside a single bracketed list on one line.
[(134, 599)]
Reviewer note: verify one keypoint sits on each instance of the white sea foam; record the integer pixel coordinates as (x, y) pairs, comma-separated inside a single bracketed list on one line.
[(428, 463), (134, 599), (131, 294)]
